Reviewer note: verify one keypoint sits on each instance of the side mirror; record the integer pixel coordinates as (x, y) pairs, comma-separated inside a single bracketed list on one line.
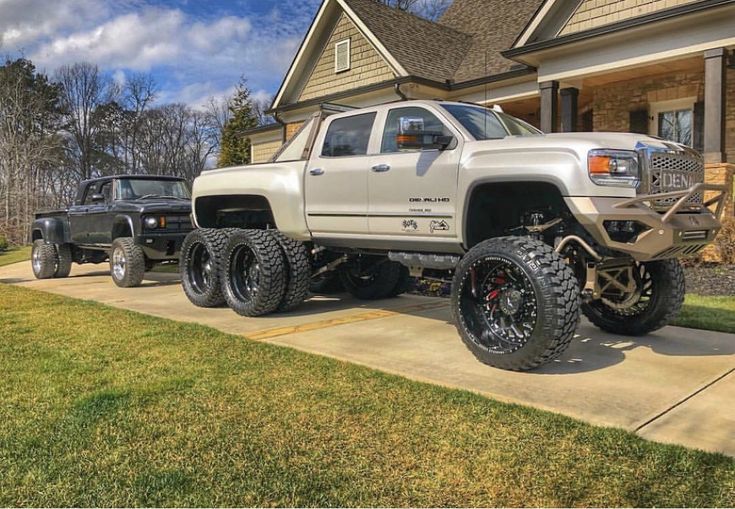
[(97, 197), (412, 135)]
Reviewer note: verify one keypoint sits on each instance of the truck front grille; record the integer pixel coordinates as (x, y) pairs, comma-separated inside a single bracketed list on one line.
[(675, 171), (178, 223)]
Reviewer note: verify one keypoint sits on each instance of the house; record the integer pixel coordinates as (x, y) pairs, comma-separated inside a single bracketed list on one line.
[(663, 67)]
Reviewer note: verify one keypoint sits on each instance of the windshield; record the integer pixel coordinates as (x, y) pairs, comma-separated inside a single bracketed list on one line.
[(485, 124), (142, 189)]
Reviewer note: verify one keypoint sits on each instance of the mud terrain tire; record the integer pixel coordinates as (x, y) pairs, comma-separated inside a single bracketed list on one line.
[(668, 287), (43, 260), (65, 259), (378, 282), (199, 266), (521, 282), (127, 263), (298, 271), (253, 272)]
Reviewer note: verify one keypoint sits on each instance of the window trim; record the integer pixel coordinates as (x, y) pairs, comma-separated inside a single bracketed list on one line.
[(658, 107), (343, 42), (326, 128)]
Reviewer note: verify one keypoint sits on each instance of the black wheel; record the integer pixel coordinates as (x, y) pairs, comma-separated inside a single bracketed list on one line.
[(515, 303), (253, 272), (639, 298), (199, 266), (65, 259), (127, 263), (404, 282), (370, 277), (43, 260), (298, 271)]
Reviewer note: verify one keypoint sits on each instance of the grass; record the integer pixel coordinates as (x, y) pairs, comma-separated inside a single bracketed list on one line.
[(708, 313), (104, 407), (15, 255)]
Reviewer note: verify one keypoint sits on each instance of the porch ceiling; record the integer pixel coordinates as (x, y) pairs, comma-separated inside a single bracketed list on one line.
[(691, 65)]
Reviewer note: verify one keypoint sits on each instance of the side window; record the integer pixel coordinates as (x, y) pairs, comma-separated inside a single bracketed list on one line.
[(349, 136), (431, 125), (106, 191), (91, 189)]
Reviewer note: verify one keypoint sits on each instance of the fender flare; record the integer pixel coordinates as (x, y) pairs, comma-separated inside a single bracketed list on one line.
[(120, 220), (51, 230)]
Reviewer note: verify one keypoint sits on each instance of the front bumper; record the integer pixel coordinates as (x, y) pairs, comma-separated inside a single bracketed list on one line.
[(161, 246), (674, 233)]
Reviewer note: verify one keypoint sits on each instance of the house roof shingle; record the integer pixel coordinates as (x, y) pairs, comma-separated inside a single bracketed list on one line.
[(425, 49), (494, 26)]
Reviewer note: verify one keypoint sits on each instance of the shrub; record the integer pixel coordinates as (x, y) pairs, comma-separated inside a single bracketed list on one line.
[(4, 245), (725, 241)]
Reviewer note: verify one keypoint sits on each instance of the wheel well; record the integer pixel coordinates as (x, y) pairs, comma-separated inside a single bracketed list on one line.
[(496, 208), (240, 211), (121, 228), (36, 235)]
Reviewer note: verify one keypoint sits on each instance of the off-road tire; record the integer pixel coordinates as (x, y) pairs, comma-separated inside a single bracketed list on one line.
[(386, 278), (669, 288), (403, 284), (556, 291), (271, 276), (43, 260), (134, 268), (298, 271), (64, 259), (201, 294)]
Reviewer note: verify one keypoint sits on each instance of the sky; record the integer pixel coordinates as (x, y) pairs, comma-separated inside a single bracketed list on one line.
[(194, 49)]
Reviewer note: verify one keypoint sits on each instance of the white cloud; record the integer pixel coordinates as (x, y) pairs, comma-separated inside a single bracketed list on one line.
[(191, 57)]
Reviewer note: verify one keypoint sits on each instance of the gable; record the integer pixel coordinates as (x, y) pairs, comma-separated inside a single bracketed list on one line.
[(367, 67), (595, 13)]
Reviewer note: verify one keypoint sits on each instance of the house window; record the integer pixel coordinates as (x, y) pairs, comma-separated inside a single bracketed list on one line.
[(342, 56), (674, 120)]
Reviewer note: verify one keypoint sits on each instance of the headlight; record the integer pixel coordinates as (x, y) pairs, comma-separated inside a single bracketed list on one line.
[(150, 223), (614, 167)]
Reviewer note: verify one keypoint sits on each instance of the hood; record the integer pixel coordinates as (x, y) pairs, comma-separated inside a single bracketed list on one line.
[(160, 205)]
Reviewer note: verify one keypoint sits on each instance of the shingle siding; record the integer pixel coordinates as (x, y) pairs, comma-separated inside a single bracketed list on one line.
[(594, 13), (263, 151), (366, 67)]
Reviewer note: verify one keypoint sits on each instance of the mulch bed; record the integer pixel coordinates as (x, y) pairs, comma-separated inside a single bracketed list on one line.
[(710, 279)]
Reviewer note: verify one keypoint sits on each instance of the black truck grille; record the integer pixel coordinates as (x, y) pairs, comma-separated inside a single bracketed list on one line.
[(675, 171), (178, 223)]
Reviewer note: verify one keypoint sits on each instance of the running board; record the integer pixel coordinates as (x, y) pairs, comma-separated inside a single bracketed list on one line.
[(425, 261)]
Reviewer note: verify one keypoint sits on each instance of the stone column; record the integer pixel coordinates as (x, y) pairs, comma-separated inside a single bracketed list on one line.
[(569, 109), (549, 105), (715, 75)]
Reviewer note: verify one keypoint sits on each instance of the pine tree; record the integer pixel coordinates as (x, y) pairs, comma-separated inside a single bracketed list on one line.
[(235, 148)]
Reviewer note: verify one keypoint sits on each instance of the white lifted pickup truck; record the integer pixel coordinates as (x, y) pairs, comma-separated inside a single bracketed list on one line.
[(529, 228)]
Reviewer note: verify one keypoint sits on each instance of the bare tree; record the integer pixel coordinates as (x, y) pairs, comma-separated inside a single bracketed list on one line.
[(83, 90), (429, 9)]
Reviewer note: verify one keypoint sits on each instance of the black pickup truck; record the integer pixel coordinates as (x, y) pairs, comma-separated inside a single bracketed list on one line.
[(133, 221)]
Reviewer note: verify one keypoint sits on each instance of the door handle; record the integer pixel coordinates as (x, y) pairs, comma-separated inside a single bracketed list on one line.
[(316, 172), (381, 168)]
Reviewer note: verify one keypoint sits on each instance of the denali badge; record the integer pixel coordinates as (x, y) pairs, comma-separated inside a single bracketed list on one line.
[(674, 180)]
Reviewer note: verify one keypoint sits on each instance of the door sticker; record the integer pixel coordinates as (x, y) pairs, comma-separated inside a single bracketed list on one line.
[(438, 226), (410, 225)]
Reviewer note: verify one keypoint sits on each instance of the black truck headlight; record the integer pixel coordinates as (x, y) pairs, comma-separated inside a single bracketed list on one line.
[(150, 222), (614, 168)]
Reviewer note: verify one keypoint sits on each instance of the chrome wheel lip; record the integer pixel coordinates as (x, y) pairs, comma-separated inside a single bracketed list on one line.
[(36, 260), (119, 263), (489, 327)]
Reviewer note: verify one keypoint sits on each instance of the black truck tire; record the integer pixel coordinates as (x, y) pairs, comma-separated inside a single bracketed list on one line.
[(253, 272), (199, 266), (404, 282), (378, 282), (326, 284), (65, 259), (515, 303), (298, 271), (127, 262), (43, 259), (663, 288)]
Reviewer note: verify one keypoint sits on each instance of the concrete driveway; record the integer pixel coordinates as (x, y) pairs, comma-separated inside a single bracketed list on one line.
[(675, 386)]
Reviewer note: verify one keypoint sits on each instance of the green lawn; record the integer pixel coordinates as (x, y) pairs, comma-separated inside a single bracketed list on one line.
[(709, 313), (103, 407), (15, 255)]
